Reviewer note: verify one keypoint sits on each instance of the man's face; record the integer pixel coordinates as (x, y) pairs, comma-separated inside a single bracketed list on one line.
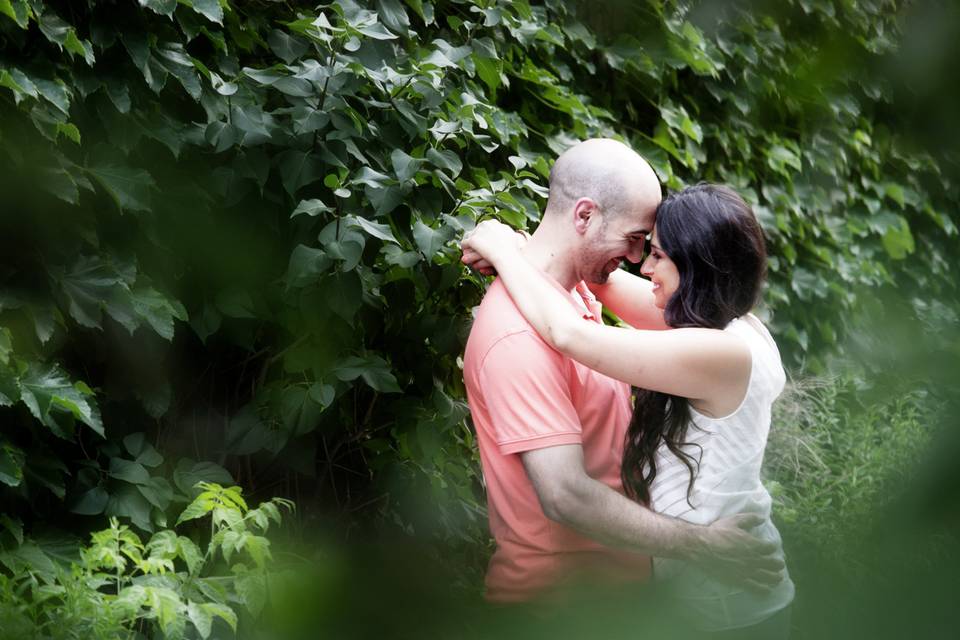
[(612, 239)]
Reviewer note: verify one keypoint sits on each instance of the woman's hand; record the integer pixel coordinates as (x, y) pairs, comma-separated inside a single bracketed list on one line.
[(487, 243)]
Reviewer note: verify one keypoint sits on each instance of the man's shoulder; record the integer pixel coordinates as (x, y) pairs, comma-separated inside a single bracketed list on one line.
[(498, 320)]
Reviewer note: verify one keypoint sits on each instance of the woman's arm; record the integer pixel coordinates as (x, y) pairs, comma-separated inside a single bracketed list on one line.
[(631, 298), (700, 364)]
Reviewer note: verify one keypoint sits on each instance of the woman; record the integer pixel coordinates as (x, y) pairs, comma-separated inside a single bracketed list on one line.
[(704, 389)]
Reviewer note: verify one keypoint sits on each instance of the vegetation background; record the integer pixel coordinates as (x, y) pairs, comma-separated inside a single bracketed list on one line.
[(228, 257)]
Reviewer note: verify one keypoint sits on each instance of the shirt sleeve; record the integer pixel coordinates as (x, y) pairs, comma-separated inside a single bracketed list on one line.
[(527, 394)]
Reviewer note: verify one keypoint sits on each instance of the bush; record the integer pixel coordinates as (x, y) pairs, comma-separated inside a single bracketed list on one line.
[(122, 585)]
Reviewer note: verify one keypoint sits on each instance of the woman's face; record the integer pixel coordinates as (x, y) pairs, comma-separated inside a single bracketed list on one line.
[(661, 271)]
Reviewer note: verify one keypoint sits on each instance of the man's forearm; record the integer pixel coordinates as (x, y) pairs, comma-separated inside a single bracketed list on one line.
[(601, 513)]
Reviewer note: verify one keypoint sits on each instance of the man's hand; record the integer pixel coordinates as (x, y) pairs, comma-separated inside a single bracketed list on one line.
[(735, 556), (476, 244)]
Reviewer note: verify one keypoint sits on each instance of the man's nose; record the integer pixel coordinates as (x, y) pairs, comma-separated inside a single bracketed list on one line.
[(635, 254)]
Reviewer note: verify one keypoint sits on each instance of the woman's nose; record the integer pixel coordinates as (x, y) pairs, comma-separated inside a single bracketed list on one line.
[(647, 267)]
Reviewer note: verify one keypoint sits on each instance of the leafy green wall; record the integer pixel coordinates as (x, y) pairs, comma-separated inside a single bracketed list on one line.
[(227, 227)]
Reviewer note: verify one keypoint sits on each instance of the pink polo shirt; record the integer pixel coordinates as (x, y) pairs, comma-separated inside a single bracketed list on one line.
[(525, 395)]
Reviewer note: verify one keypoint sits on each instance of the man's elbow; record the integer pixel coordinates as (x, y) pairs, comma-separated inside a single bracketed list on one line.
[(560, 504)]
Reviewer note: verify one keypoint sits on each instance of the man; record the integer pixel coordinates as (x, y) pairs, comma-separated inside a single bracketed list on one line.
[(551, 431)]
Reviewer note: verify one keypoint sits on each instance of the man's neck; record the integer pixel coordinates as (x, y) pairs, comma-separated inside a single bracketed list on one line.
[(548, 252)]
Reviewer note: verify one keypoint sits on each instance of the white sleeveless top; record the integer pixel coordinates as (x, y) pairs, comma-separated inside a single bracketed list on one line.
[(728, 483)]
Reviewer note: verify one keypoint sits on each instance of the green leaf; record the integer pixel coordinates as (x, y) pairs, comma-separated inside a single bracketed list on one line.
[(47, 391), (210, 9), (128, 502), (163, 7), (87, 285), (393, 15), (306, 266), (235, 303), (312, 208), (201, 618), (129, 188), (69, 130), (252, 589), (190, 553), (375, 229), (446, 160), (189, 473), (373, 369), (18, 10), (158, 492), (157, 310), (91, 503), (405, 166), (11, 465), (54, 91), (298, 168), (322, 394), (898, 240), (6, 345), (300, 411), (345, 291), (144, 452), (14, 526), (201, 506), (288, 48), (129, 471), (430, 241)]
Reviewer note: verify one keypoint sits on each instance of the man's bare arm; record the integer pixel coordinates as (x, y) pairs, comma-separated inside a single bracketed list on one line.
[(572, 498), (631, 298)]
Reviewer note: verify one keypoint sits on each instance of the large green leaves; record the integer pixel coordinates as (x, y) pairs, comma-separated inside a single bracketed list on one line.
[(55, 400)]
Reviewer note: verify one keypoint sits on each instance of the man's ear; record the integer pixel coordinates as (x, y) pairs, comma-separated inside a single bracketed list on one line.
[(584, 211)]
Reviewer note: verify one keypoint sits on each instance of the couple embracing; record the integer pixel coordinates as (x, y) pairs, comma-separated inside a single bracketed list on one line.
[(583, 477)]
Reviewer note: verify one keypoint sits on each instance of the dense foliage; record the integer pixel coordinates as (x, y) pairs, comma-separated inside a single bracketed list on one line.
[(227, 226)]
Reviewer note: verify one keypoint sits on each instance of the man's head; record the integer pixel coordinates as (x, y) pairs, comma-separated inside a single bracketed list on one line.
[(603, 199)]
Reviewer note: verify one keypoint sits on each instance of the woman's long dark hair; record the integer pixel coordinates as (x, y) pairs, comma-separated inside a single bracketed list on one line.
[(717, 245)]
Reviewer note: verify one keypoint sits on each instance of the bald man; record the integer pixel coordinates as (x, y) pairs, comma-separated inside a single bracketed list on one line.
[(551, 431)]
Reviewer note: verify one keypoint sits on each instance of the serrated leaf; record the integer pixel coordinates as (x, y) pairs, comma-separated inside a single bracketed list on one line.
[(47, 390), (157, 310), (18, 10), (253, 590), (190, 552), (201, 619), (129, 188)]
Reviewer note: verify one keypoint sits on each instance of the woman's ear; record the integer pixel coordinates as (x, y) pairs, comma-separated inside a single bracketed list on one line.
[(584, 211)]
